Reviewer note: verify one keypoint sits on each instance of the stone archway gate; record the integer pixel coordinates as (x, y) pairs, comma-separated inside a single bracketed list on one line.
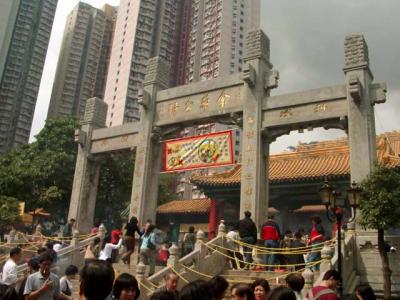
[(242, 99)]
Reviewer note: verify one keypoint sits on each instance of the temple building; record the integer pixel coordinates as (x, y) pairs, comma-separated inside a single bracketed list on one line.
[(295, 179)]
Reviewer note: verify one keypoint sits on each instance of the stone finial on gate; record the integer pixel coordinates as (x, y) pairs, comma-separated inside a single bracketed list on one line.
[(355, 51), (95, 112), (257, 46), (158, 71)]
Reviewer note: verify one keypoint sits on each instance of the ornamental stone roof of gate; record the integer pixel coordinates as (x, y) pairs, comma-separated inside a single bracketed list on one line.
[(311, 162)]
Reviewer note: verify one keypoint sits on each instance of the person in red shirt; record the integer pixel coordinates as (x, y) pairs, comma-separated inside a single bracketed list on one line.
[(115, 236), (271, 235), (326, 290), (316, 238)]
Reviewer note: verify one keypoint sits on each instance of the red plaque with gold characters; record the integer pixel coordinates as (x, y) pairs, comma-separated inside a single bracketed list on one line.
[(202, 151)]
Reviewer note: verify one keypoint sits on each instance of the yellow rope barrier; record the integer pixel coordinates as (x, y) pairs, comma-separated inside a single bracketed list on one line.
[(247, 282), (146, 287), (269, 248), (255, 264), (153, 284), (179, 275), (288, 250)]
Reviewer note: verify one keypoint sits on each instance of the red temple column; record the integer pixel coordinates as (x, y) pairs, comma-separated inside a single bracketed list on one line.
[(212, 218)]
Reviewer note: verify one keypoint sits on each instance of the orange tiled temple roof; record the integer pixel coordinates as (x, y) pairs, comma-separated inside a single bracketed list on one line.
[(310, 162), (185, 206)]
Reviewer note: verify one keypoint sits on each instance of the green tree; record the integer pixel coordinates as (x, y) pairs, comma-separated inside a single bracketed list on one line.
[(9, 213), (380, 210), (115, 186), (167, 188), (41, 173)]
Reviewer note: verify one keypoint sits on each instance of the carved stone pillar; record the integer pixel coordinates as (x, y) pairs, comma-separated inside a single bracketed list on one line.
[(148, 154), (222, 229), (200, 239), (86, 178), (173, 255), (253, 191), (326, 256), (361, 115)]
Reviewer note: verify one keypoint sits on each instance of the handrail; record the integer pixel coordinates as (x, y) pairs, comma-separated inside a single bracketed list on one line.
[(201, 256), (76, 245)]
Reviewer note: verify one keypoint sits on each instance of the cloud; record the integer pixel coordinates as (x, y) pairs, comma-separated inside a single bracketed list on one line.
[(307, 48)]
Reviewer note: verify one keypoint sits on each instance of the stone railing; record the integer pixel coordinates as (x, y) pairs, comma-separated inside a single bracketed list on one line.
[(72, 254), (329, 257), (202, 263), (370, 266)]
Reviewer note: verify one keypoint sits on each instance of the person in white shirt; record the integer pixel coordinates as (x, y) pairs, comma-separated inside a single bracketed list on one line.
[(10, 272), (107, 247), (236, 257), (65, 281)]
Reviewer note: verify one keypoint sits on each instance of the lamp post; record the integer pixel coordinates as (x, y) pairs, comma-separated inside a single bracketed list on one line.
[(335, 202)]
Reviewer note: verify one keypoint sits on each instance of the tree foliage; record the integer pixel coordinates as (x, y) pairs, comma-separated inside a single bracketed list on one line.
[(41, 173), (167, 188), (9, 212), (380, 199), (115, 186), (380, 210)]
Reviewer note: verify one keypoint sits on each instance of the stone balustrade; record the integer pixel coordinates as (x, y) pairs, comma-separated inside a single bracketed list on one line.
[(203, 260), (72, 254)]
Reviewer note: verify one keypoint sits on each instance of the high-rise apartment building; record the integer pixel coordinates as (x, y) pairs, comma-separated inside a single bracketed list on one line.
[(8, 15), (202, 39), (22, 70), (217, 35), (143, 29), (84, 59)]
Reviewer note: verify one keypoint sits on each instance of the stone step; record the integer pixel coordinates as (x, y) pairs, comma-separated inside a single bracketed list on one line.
[(247, 276)]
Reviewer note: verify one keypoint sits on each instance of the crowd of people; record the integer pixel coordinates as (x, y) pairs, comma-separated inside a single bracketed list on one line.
[(272, 238), (98, 281)]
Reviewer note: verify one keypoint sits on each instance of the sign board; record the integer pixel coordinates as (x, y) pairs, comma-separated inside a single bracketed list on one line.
[(202, 151)]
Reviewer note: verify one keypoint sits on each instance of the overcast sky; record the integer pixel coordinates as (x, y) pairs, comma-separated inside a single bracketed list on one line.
[(306, 47)]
